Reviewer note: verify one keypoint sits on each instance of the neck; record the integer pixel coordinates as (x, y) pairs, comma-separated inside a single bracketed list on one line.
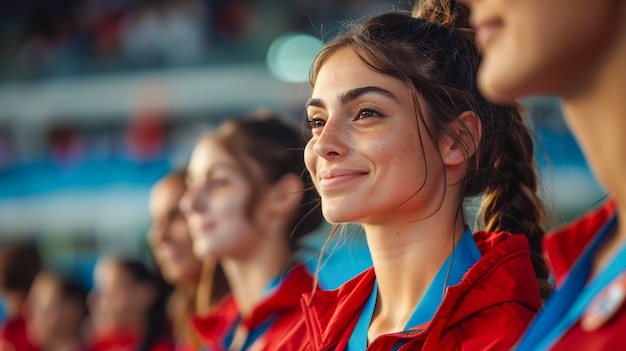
[(248, 277), (406, 258), (597, 116), (62, 343)]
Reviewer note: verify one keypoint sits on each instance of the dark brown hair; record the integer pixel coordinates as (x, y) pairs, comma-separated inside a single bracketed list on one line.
[(19, 265), (436, 57), (276, 147)]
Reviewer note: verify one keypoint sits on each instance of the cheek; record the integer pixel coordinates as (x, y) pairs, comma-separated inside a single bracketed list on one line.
[(180, 233), (230, 206), (309, 158)]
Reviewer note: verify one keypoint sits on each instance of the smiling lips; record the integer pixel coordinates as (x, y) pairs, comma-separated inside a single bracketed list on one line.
[(329, 180)]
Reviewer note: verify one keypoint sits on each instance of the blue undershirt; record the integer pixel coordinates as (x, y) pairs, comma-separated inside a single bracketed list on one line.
[(464, 256)]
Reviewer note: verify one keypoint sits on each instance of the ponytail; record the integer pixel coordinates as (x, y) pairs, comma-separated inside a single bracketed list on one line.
[(511, 202), (506, 172), (446, 13)]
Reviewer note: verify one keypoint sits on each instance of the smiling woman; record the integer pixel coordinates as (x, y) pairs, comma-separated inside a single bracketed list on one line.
[(399, 138)]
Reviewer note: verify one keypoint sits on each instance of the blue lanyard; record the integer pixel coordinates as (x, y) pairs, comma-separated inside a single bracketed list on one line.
[(567, 304), (465, 255)]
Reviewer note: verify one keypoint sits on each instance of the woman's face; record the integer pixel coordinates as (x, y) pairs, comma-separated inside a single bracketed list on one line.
[(46, 311), (366, 156), (169, 235), (534, 47), (117, 298), (215, 203)]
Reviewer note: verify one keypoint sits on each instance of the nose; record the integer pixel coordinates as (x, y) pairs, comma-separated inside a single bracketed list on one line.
[(157, 233), (192, 200), (332, 140)]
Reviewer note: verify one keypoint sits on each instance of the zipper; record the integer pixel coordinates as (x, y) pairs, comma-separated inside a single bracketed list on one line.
[(407, 334)]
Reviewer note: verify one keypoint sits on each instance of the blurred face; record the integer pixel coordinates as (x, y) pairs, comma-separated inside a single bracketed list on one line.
[(215, 204), (117, 300), (365, 157), (534, 47), (47, 311), (169, 235)]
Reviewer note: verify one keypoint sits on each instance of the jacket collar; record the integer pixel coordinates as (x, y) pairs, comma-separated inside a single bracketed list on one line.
[(219, 322), (575, 237), (329, 314)]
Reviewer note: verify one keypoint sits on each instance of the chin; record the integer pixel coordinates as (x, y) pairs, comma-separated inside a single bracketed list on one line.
[(201, 248), (495, 90), (336, 217)]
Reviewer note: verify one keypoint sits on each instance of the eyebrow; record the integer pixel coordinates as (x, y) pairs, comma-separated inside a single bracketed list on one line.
[(221, 165), (353, 94)]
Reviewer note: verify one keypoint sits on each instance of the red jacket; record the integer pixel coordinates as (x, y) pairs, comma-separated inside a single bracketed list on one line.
[(562, 249), (13, 336), (129, 340), (285, 301), (488, 310)]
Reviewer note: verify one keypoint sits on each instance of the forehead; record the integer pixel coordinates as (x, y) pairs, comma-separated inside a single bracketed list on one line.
[(45, 283), (209, 154), (165, 195), (107, 270), (344, 70)]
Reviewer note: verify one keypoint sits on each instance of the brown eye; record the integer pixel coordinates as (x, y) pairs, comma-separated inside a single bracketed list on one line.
[(316, 123), (367, 113)]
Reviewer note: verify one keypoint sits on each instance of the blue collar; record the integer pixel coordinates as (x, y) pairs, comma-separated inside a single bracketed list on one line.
[(567, 304), (464, 256), (257, 332)]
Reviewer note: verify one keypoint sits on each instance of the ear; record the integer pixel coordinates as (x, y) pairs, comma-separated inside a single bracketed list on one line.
[(467, 129), (285, 195)]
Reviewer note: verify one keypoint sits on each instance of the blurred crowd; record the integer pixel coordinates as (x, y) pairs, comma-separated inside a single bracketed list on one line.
[(51, 39), (69, 36), (132, 304)]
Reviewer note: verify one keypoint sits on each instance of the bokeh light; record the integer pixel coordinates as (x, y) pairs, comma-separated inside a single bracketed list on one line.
[(289, 56)]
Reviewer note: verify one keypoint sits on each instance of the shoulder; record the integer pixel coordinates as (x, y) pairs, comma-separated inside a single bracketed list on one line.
[(575, 237), (505, 272), (363, 281), (609, 336), (13, 335), (327, 315), (214, 325), (494, 328), (163, 345), (500, 289), (289, 337)]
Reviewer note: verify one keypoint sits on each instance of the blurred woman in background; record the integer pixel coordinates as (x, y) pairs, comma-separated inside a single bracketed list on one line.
[(57, 312), (18, 267), (127, 308), (248, 206), (575, 50), (198, 286)]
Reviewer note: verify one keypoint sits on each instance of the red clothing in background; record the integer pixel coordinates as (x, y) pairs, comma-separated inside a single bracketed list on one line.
[(13, 336), (562, 249), (282, 306)]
